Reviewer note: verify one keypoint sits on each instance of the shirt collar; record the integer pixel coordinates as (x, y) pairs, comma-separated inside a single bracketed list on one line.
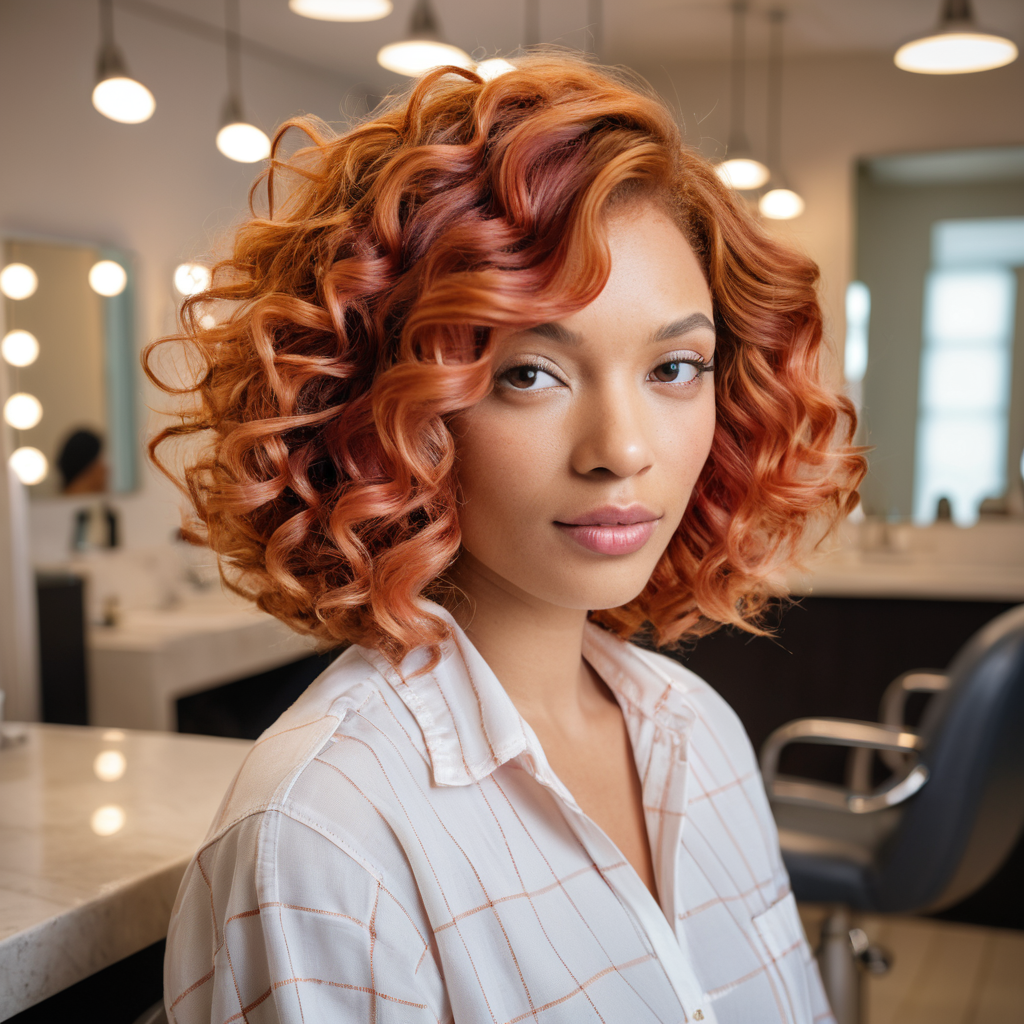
[(469, 723)]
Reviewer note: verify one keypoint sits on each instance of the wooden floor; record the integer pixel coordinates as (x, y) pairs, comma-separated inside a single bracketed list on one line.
[(942, 973)]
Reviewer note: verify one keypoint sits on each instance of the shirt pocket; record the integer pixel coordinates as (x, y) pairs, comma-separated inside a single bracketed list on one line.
[(783, 935)]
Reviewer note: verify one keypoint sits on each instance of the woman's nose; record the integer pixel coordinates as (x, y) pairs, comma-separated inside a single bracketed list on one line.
[(613, 434)]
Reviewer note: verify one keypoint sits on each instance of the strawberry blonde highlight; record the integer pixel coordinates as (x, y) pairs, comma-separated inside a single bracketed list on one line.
[(355, 319)]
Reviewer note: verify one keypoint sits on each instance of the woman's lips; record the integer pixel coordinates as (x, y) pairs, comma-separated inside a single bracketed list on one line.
[(612, 531)]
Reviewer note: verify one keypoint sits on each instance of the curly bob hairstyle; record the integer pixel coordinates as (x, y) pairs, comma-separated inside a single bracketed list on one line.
[(352, 321)]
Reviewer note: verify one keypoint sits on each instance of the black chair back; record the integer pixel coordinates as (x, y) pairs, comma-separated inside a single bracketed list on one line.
[(956, 832)]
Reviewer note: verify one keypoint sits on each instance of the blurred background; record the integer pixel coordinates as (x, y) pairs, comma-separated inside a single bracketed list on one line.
[(132, 131)]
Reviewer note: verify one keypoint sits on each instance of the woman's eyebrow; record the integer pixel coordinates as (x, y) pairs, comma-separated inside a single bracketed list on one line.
[(556, 332), (693, 322)]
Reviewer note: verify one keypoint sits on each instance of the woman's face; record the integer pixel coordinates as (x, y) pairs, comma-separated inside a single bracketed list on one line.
[(577, 468)]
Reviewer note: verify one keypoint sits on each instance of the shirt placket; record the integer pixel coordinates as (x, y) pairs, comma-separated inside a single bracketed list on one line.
[(666, 781)]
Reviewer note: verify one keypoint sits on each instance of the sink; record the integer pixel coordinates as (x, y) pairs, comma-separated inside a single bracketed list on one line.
[(139, 667)]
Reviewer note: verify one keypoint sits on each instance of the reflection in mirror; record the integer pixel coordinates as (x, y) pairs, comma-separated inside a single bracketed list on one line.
[(940, 261), (68, 345)]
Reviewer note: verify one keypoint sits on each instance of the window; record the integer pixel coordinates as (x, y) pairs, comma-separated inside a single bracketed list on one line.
[(964, 393)]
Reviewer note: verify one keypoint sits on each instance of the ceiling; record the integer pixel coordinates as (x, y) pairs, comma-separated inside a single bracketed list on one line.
[(636, 32)]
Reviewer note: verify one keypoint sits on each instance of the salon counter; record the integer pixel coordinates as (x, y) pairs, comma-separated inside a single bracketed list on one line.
[(941, 562), (139, 667), (97, 827)]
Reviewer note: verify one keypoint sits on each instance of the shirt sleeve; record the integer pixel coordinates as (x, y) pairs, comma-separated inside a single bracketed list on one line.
[(277, 922)]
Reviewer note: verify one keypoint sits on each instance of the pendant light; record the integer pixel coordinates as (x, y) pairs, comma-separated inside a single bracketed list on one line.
[(341, 10), (423, 47), (237, 139), (740, 170), (531, 22), (595, 21), (494, 67), (780, 202), (957, 46), (117, 95)]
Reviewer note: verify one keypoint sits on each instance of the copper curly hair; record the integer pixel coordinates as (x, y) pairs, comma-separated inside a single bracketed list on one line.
[(355, 320)]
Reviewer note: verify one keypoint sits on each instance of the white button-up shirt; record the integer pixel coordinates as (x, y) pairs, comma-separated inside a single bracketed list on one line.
[(397, 848)]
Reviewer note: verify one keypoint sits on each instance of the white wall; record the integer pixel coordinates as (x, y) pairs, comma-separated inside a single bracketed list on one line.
[(159, 189), (836, 109)]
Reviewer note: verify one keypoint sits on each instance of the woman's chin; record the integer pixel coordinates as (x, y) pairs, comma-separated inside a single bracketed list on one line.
[(601, 595)]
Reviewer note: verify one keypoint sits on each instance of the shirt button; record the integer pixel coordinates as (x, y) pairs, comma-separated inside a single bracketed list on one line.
[(698, 1015)]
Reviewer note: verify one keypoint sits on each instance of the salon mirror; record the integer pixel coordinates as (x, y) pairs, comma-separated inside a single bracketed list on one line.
[(68, 346), (935, 334)]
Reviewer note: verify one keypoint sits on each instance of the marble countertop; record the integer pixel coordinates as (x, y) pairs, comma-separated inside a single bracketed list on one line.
[(873, 558), (141, 666), (892, 577), (96, 829)]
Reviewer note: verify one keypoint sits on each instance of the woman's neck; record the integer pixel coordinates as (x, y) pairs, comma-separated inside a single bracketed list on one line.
[(534, 648)]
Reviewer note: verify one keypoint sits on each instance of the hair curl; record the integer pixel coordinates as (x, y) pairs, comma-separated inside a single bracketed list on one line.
[(356, 320)]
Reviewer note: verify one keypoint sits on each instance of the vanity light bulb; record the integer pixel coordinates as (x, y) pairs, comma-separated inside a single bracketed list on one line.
[(105, 821), (123, 100), (414, 57), (243, 142), (781, 204), (191, 278), (341, 10), (19, 348), (23, 411), (29, 465), (18, 281), (108, 278), (492, 68), (743, 173)]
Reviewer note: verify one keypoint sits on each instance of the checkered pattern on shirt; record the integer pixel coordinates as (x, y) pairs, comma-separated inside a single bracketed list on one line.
[(397, 849)]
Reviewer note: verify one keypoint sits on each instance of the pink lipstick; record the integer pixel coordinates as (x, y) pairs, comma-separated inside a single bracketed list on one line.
[(611, 530)]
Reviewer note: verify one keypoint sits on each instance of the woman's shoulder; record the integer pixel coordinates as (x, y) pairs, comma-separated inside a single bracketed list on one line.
[(283, 770)]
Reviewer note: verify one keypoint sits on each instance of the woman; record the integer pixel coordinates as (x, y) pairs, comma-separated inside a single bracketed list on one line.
[(508, 378)]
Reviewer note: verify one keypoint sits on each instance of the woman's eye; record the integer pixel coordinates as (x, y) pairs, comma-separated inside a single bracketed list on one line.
[(675, 372), (529, 378)]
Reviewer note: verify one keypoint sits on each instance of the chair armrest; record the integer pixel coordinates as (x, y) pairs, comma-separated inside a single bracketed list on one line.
[(894, 700), (846, 733), (892, 712)]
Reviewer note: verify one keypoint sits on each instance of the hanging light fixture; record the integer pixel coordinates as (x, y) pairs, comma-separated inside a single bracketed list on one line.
[(423, 48), (237, 139), (595, 22), (342, 10), (740, 170), (493, 67), (780, 202), (531, 22), (117, 95), (957, 46)]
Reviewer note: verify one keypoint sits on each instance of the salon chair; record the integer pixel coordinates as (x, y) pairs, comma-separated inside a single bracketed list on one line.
[(940, 824)]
